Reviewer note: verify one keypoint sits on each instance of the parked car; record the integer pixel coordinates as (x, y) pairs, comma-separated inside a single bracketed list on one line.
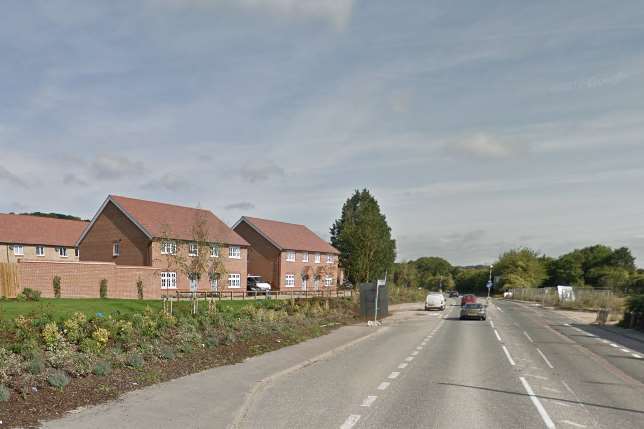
[(453, 294), (435, 300), (507, 294), (468, 299), (473, 311), (257, 284)]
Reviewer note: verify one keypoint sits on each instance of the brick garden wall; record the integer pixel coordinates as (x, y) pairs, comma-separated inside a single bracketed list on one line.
[(82, 279)]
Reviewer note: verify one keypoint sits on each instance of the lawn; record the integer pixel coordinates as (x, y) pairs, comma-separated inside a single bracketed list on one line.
[(63, 308)]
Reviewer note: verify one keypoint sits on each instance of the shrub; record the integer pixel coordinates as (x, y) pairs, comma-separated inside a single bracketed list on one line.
[(74, 327), (60, 356), (212, 341), (81, 364), (21, 297), (36, 365), (101, 335), (58, 379), (51, 335), (10, 364), (103, 289), (31, 294), (90, 346), (135, 360), (4, 393), (102, 368), (56, 285), (139, 288), (123, 330), (167, 353)]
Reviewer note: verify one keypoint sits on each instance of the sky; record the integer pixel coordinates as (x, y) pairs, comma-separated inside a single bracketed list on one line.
[(478, 126)]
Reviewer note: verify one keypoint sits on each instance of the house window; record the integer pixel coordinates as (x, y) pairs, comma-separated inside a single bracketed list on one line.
[(305, 257), (316, 283), (116, 249), (40, 250), (194, 282), (62, 252), (18, 250), (328, 281), (290, 256), (317, 258), (168, 280), (193, 249), (214, 251), (234, 280), (214, 282), (234, 252), (289, 280), (329, 259), (168, 247), (304, 283)]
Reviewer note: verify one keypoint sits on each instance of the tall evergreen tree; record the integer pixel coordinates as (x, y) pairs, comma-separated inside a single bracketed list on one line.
[(363, 238)]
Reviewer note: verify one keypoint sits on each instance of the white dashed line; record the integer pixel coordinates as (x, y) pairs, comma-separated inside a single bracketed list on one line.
[(507, 354), (350, 421), (528, 337), (368, 401), (414, 353), (383, 385), (393, 375), (491, 323), (577, 425), (635, 355), (419, 348), (614, 345), (542, 411), (498, 337), (606, 341), (625, 350), (499, 308), (403, 365), (409, 358), (545, 359)]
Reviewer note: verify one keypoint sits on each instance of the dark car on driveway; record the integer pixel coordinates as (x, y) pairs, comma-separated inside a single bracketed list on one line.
[(473, 311), (453, 294), (468, 299)]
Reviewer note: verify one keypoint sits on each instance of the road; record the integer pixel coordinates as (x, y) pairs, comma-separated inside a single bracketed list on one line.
[(524, 367)]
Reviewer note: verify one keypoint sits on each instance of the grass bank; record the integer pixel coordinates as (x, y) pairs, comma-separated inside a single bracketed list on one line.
[(400, 295)]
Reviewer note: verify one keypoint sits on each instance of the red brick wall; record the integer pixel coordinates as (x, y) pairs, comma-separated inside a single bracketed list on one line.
[(298, 266), (82, 279), (110, 226), (263, 257)]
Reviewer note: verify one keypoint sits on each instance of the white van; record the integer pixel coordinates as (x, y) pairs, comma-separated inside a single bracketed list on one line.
[(435, 300)]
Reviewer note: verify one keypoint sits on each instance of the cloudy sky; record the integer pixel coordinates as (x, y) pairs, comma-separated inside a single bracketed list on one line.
[(479, 126)]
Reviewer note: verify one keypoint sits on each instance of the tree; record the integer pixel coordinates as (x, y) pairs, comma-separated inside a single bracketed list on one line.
[(363, 238), (567, 270), (622, 258), (471, 280), (521, 268)]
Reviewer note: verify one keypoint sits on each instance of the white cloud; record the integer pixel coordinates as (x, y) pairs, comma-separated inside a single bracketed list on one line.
[(114, 167), (485, 146)]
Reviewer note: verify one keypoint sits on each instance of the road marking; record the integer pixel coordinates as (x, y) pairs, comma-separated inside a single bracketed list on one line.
[(414, 353), (424, 343), (624, 350), (606, 341), (403, 365), (409, 358), (563, 404), (568, 422), (499, 308), (419, 348), (614, 345), (491, 323), (350, 421), (635, 355), (545, 358), (537, 403), (383, 385), (550, 389), (368, 401), (498, 337), (540, 377), (507, 354), (393, 375), (528, 336), (566, 324)]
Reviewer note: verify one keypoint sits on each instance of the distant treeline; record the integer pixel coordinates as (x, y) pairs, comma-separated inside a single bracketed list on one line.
[(596, 266), (53, 215)]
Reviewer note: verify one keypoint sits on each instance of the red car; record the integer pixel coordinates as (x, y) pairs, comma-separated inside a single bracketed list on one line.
[(468, 299)]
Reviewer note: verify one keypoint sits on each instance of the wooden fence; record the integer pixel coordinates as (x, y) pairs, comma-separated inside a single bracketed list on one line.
[(8, 279)]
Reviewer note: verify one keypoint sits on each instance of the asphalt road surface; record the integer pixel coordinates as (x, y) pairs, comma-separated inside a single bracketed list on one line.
[(524, 367)]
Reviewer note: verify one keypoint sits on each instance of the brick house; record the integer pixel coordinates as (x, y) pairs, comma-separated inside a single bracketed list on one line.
[(29, 237), (289, 256), (133, 232)]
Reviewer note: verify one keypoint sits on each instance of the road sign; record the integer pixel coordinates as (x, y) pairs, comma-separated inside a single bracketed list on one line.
[(381, 282), (489, 285)]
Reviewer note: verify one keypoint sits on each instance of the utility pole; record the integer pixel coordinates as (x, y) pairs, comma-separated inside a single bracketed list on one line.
[(375, 314), (489, 283)]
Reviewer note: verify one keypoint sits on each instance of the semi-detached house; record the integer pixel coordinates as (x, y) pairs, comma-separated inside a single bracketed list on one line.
[(289, 256), (136, 232)]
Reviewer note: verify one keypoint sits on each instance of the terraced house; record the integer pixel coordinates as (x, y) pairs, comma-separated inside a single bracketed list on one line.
[(38, 238), (135, 232), (289, 256)]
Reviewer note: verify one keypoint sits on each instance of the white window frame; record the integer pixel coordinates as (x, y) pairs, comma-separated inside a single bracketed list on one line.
[(193, 249), (289, 280), (305, 257), (304, 284), (214, 282), (62, 252), (168, 247), (316, 283), (18, 250), (214, 251), (40, 250), (193, 281), (328, 281), (168, 280), (234, 252), (329, 259), (317, 257), (290, 256), (234, 280), (116, 248)]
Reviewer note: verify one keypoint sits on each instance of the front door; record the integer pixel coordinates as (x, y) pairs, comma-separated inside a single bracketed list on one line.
[(304, 282), (193, 285)]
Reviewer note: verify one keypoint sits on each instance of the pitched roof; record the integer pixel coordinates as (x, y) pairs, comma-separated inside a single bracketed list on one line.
[(289, 236), (47, 231), (160, 219)]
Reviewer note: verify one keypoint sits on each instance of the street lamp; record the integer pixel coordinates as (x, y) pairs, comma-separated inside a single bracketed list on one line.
[(489, 283)]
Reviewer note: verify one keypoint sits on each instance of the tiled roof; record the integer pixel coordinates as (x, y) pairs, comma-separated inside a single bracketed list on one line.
[(160, 219), (290, 236), (27, 229)]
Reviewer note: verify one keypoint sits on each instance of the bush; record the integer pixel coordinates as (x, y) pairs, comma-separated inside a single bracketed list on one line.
[(101, 335), (102, 368), (635, 303), (10, 364), (135, 360), (103, 289), (58, 379), (56, 285), (51, 335), (74, 327), (36, 365), (139, 288), (90, 346), (4, 393), (31, 294), (167, 353)]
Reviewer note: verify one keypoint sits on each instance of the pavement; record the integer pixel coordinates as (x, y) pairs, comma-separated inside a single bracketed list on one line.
[(523, 367)]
